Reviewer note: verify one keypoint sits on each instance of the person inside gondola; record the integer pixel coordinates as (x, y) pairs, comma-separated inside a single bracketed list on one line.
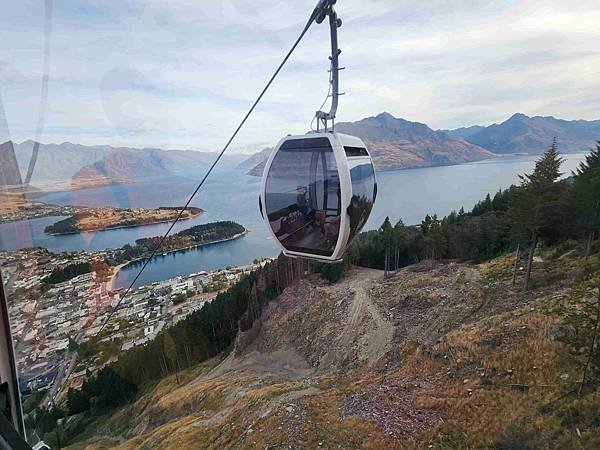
[(302, 201)]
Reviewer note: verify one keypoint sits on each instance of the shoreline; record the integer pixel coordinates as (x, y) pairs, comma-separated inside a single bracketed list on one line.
[(121, 266), (495, 156), (111, 283)]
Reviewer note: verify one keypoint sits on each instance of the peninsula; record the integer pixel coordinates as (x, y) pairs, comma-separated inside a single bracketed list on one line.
[(85, 219), (197, 236)]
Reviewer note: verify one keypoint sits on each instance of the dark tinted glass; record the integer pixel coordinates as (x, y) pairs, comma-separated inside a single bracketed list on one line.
[(355, 151), (302, 199), (362, 176)]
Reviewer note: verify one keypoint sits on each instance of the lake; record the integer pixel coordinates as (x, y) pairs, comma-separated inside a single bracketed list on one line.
[(230, 194)]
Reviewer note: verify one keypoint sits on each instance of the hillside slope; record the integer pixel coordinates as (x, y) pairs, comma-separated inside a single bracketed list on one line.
[(464, 132), (444, 354)]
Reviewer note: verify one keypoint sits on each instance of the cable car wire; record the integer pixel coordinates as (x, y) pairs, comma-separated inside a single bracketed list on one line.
[(318, 10)]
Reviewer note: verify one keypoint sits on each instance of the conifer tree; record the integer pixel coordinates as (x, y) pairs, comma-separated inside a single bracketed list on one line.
[(587, 195), (401, 239), (170, 353), (535, 207), (434, 238), (387, 235)]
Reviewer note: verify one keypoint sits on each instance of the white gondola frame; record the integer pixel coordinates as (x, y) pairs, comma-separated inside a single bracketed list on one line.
[(338, 143)]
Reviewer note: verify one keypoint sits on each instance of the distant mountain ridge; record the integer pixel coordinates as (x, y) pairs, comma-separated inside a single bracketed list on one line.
[(465, 132), (58, 162), (74, 162), (255, 165), (256, 159), (9, 168), (399, 144), (394, 143), (532, 135), (126, 164)]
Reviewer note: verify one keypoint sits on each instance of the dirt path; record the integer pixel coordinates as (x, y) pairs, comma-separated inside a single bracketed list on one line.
[(379, 331), (379, 338), (362, 336)]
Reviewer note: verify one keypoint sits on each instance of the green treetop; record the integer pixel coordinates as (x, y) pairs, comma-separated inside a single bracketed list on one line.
[(587, 193)]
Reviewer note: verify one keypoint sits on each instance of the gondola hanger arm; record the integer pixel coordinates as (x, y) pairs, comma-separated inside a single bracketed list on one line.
[(324, 9)]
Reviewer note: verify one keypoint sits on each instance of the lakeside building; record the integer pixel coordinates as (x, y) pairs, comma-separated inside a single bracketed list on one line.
[(49, 322)]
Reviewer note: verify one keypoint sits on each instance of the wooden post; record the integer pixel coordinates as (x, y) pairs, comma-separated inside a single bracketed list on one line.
[(530, 262), (588, 248), (385, 264), (514, 279)]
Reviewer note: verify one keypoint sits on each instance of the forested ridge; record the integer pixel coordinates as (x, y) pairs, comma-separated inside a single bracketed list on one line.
[(191, 237), (544, 208)]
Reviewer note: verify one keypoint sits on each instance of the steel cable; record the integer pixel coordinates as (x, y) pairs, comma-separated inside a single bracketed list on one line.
[(233, 136)]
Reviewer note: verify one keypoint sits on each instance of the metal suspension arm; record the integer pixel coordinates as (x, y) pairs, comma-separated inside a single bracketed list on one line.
[(326, 8)]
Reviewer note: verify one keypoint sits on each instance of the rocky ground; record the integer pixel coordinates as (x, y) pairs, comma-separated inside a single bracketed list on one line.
[(440, 355)]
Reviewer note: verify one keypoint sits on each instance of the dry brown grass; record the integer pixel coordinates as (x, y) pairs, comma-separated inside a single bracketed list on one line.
[(94, 219), (473, 362), (513, 370)]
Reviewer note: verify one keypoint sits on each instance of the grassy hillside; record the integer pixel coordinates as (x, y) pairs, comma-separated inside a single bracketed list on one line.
[(445, 354)]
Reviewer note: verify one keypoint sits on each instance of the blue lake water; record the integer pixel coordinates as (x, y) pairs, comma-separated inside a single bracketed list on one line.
[(230, 194)]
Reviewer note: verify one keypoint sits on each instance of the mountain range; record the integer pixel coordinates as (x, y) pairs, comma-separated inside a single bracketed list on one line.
[(57, 162), (532, 135), (256, 162), (400, 144), (465, 132), (256, 159), (125, 164), (69, 162), (395, 143)]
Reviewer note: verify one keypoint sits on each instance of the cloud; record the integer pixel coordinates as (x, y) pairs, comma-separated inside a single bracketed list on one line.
[(182, 73)]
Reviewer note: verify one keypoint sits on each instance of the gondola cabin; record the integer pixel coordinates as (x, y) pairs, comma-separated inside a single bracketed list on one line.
[(318, 191)]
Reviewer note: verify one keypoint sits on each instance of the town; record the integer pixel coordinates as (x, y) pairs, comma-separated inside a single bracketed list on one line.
[(68, 321)]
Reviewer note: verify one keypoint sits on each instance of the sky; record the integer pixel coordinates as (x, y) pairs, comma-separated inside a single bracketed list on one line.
[(182, 73)]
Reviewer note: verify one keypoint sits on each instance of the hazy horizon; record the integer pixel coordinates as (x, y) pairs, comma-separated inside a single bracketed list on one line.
[(249, 150)]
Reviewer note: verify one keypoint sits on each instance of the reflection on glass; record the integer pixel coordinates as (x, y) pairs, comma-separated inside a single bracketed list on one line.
[(362, 176), (303, 199)]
